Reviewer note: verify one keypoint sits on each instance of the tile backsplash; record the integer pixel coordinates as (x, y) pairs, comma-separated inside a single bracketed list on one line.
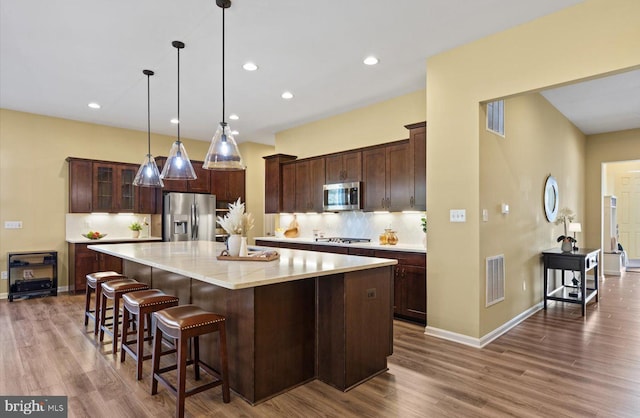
[(115, 225), (358, 225)]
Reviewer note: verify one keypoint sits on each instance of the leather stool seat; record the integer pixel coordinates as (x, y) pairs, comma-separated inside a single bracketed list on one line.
[(183, 323), (142, 304), (113, 290), (94, 282)]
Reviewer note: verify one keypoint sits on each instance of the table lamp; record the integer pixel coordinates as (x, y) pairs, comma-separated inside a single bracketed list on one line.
[(575, 227)]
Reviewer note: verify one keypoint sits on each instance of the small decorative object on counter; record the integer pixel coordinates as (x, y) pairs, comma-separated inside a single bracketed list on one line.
[(392, 237), (383, 238), (94, 235), (292, 231), (244, 252), (135, 228), (237, 223)]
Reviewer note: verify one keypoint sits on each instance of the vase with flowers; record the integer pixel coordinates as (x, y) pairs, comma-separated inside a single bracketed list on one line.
[(237, 223), (565, 217)]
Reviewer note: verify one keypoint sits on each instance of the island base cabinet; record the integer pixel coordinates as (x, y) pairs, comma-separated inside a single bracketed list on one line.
[(355, 326)]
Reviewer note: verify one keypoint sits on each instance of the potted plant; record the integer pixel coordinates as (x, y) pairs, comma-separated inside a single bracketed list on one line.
[(135, 227), (565, 217)]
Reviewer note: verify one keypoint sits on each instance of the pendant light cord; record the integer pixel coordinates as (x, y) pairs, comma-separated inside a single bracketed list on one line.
[(223, 104), (179, 121), (148, 116)]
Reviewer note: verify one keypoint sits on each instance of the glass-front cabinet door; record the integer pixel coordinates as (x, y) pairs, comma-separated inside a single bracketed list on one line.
[(127, 192), (103, 187)]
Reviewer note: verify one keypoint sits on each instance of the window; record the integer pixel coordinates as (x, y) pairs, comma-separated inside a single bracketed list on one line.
[(495, 117)]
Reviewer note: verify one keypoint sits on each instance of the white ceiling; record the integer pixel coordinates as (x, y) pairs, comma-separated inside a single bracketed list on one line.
[(56, 56)]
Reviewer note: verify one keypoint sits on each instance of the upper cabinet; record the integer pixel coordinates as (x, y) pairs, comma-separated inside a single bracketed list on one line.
[(113, 189), (104, 186), (289, 187), (273, 182), (387, 177), (344, 167), (309, 181), (418, 150), (228, 186), (202, 184)]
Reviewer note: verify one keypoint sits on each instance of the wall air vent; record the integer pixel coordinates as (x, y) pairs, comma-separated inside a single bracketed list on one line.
[(495, 279)]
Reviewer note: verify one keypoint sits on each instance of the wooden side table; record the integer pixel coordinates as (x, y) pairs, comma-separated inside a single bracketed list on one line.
[(582, 260)]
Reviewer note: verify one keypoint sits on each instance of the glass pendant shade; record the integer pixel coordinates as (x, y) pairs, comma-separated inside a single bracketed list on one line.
[(178, 166), (223, 152), (148, 174)]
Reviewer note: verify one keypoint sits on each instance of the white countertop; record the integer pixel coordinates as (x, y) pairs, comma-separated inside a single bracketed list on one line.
[(374, 245), (109, 238), (197, 259)]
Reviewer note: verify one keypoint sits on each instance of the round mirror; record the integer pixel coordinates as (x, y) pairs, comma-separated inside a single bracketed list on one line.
[(551, 199)]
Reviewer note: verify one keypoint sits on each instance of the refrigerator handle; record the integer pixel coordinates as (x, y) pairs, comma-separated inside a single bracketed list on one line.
[(194, 222)]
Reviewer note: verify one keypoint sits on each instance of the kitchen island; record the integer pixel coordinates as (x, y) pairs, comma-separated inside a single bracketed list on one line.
[(303, 316)]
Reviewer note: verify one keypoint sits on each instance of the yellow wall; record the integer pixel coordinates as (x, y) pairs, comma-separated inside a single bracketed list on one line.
[(538, 141), (34, 174), (605, 148), (590, 39), (375, 124), (252, 154)]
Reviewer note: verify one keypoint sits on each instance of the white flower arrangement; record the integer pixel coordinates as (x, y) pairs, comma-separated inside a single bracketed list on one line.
[(236, 222)]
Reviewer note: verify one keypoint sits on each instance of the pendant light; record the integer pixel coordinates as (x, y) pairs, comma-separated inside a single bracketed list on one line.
[(223, 152), (148, 174), (178, 166)]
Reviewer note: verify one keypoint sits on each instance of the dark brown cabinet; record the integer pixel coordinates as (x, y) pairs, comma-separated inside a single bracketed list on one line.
[(388, 177), (410, 284), (113, 189), (83, 261), (273, 182), (228, 186), (343, 167), (418, 151), (80, 185), (149, 200), (309, 182), (289, 187)]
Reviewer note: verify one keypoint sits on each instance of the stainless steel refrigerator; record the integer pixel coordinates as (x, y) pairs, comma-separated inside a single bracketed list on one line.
[(189, 217)]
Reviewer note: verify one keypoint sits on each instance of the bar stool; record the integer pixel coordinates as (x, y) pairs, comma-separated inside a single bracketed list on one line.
[(113, 290), (94, 282), (142, 304), (183, 323)]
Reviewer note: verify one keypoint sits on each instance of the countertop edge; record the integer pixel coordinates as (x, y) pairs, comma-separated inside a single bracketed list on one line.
[(365, 245)]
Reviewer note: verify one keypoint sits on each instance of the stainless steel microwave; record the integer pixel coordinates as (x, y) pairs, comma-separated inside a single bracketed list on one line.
[(342, 196)]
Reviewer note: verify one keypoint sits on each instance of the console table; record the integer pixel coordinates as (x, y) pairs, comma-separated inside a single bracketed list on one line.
[(582, 260)]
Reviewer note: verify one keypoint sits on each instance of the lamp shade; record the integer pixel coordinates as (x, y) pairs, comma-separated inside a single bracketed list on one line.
[(148, 174), (178, 166), (575, 227), (223, 152)]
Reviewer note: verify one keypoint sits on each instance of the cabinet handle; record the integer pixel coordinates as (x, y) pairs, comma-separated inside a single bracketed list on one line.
[(412, 201), (388, 202), (382, 203)]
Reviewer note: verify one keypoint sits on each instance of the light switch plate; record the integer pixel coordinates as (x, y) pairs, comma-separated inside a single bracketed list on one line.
[(13, 225), (4, 275), (485, 215), (457, 215)]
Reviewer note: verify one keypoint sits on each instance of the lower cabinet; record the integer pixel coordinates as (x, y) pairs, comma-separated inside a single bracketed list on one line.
[(83, 261), (410, 288), (410, 277)]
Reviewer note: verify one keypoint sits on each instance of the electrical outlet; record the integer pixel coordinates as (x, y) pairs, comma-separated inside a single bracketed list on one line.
[(13, 225), (4, 275), (371, 293)]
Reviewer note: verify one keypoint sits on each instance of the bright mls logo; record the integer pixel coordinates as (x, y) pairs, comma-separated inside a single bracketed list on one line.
[(36, 406)]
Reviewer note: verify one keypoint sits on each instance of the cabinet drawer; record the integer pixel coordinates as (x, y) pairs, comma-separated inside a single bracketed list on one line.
[(407, 258), (367, 252), (564, 263)]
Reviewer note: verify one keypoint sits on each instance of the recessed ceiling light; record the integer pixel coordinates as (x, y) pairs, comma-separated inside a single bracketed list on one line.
[(94, 105), (249, 66), (371, 60), (235, 133), (175, 121), (287, 95), (233, 117)]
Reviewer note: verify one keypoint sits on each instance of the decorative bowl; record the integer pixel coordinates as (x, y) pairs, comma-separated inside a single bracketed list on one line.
[(94, 235)]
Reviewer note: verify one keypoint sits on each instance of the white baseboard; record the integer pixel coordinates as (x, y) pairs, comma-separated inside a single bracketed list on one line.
[(487, 338)]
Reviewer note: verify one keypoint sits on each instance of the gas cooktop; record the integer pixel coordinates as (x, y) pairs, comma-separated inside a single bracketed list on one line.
[(342, 240)]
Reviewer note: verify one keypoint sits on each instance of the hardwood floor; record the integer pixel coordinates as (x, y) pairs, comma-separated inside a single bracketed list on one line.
[(555, 364)]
